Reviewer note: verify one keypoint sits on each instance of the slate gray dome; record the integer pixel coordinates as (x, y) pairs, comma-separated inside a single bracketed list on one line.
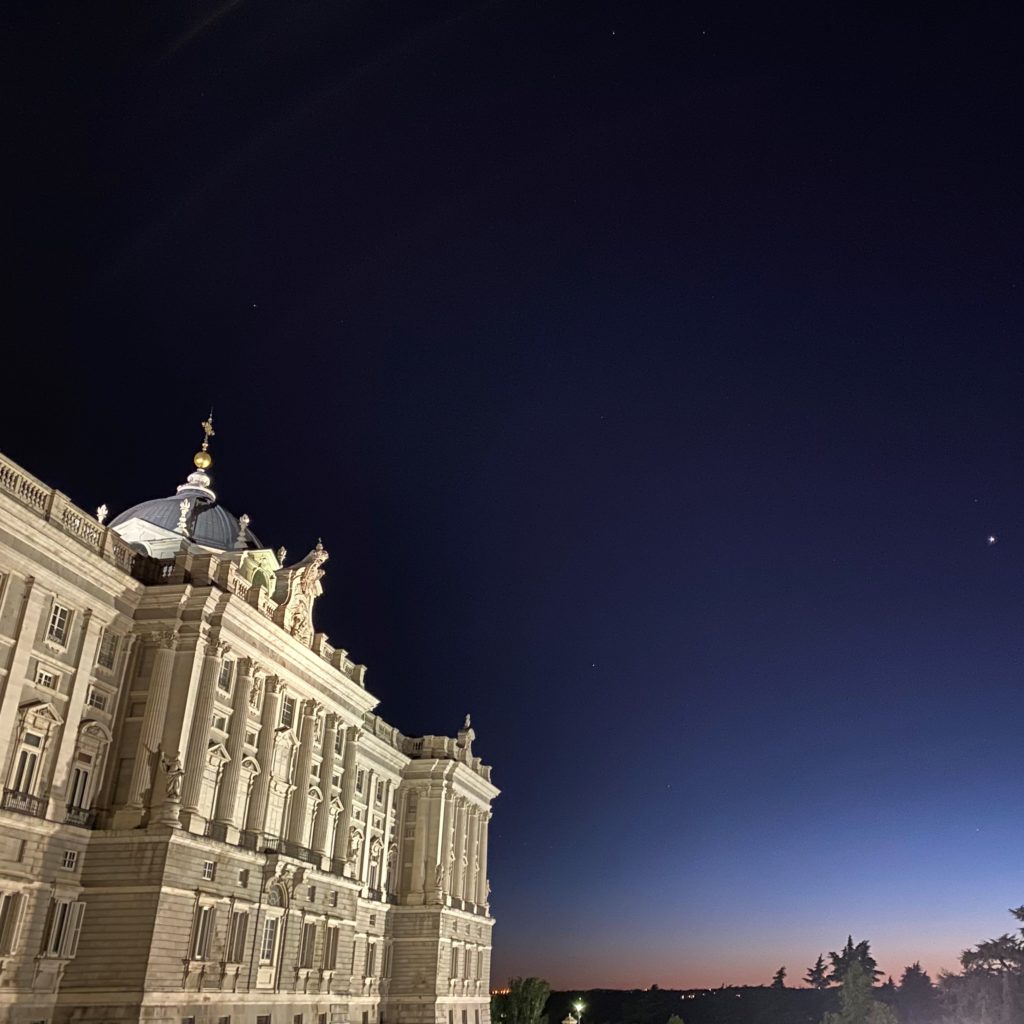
[(210, 524)]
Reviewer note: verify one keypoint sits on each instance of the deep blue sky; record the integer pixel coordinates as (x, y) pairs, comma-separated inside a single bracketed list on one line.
[(652, 373)]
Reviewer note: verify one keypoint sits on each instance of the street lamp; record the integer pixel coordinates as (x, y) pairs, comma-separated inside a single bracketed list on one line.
[(578, 1007)]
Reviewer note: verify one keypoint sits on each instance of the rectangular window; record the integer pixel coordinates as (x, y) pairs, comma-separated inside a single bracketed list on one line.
[(311, 894), (331, 949), (297, 1018), (307, 945), (97, 700), (332, 899), (60, 620), (70, 860), (224, 1020), (360, 780), (321, 1018), (339, 740), (269, 943), (11, 906), (45, 678), (477, 1012), (108, 650), (78, 792), (366, 1017), (243, 877), (451, 1017), (454, 972), (371, 959), (64, 927), (379, 797), (224, 679), (188, 1020), (465, 1017), (236, 936), (209, 870), (219, 722), (26, 763), (203, 933), (262, 1018), (288, 712), (250, 738), (385, 967), (467, 964)]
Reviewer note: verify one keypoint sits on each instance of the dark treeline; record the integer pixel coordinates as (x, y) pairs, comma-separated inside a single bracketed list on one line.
[(734, 1005)]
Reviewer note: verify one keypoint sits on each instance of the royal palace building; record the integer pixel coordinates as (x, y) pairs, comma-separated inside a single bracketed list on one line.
[(202, 819)]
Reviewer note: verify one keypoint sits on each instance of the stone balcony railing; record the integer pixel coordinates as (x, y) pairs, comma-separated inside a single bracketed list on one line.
[(54, 507)]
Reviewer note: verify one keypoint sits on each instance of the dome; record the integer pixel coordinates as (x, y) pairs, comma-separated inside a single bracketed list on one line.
[(209, 524)]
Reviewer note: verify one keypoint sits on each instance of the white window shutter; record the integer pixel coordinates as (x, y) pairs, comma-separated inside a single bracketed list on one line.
[(74, 928)]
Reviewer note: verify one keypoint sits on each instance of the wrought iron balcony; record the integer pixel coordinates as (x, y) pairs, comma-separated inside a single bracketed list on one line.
[(24, 803), (80, 816)]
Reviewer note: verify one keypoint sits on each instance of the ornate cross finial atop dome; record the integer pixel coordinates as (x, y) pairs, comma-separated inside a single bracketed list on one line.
[(202, 460)]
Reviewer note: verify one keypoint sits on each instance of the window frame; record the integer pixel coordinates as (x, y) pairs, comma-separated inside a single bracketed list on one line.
[(58, 626)]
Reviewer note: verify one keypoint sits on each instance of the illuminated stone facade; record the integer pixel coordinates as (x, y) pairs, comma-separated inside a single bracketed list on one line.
[(202, 819)]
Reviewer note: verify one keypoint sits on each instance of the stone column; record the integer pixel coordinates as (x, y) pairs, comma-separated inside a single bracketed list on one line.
[(33, 604), (442, 843), (472, 838), (419, 845), (459, 872), (323, 812), (385, 861), (364, 853), (299, 811), (348, 788), (199, 731), (79, 687), (257, 815), (481, 881), (227, 792), (151, 731)]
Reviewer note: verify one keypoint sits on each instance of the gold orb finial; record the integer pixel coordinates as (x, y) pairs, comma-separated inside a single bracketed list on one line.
[(203, 460)]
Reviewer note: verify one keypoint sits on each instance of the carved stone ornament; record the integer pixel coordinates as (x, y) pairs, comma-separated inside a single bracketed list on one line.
[(255, 694), (166, 638), (376, 846), (355, 842), (295, 612)]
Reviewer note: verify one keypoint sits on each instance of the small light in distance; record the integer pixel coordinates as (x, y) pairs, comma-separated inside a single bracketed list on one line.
[(992, 539)]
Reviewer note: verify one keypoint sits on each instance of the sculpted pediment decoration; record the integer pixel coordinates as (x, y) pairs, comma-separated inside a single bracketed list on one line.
[(217, 754), (298, 587), (251, 765), (41, 711), (95, 730)]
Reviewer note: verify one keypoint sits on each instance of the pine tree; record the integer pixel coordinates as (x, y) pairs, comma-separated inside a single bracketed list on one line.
[(861, 954), (817, 976), (779, 978), (856, 1004)]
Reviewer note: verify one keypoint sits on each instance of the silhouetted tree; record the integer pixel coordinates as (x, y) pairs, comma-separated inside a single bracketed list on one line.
[(991, 988), (817, 976), (856, 1003), (860, 954), (779, 978), (915, 997), (524, 1003)]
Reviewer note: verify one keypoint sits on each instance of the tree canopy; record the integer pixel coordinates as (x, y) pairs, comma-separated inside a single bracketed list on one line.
[(851, 954)]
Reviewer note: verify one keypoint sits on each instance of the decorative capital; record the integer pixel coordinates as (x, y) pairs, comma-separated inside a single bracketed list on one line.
[(274, 684), (165, 638), (220, 648)]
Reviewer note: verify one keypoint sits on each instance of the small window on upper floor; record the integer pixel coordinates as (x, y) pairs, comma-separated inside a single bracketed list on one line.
[(108, 650), (250, 738), (209, 870), (60, 624), (379, 795), (332, 899), (311, 894), (219, 722), (70, 860), (44, 677), (360, 780), (224, 679), (96, 700), (288, 712), (339, 740)]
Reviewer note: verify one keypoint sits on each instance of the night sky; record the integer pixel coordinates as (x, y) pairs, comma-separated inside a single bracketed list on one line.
[(653, 374)]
